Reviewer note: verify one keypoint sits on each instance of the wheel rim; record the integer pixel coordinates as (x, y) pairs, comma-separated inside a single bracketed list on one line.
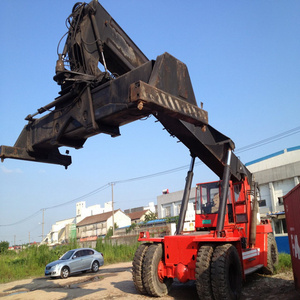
[(95, 267), (65, 272), (160, 269)]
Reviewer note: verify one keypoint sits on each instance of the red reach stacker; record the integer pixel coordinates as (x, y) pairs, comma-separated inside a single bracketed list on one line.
[(216, 255), (229, 241)]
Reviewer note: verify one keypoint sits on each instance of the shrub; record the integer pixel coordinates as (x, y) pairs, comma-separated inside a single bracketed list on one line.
[(4, 246), (285, 263)]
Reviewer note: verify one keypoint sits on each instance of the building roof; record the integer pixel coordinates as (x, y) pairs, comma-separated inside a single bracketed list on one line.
[(96, 218), (137, 214), (272, 155)]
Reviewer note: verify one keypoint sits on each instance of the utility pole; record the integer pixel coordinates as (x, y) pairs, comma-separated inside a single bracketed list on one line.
[(43, 225), (112, 206), (29, 238)]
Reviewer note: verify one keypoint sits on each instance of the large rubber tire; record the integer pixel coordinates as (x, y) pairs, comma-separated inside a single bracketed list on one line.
[(272, 255), (203, 272), (152, 283), (226, 273), (137, 268), (64, 273)]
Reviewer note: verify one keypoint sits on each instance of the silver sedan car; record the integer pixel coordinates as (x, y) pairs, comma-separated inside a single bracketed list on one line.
[(73, 261)]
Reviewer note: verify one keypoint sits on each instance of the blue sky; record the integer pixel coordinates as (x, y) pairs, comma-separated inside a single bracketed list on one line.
[(244, 63)]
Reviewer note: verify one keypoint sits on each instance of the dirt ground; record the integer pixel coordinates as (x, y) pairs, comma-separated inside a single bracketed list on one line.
[(115, 282)]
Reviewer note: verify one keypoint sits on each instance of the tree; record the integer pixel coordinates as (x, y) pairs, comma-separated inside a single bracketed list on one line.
[(4, 246), (110, 231), (150, 216), (131, 227)]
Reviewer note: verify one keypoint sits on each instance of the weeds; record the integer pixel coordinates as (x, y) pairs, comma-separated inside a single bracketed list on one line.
[(115, 253), (31, 262), (284, 264)]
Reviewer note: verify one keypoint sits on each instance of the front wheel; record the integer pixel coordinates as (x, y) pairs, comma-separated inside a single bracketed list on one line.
[(203, 272), (226, 273), (137, 268), (154, 285), (65, 272)]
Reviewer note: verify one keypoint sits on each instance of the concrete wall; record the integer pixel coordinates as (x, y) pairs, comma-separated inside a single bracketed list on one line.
[(98, 229)]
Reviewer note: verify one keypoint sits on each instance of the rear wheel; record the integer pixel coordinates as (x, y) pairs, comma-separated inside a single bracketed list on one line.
[(137, 268), (153, 283), (95, 267), (272, 255), (65, 272), (203, 272), (226, 273)]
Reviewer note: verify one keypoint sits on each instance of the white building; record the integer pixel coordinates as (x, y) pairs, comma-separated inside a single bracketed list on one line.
[(151, 206), (82, 211), (92, 227), (169, 204), (276, 174), (63, 230), (60, 232)]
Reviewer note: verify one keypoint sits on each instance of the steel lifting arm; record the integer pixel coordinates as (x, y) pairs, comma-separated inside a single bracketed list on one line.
[(131, 87)]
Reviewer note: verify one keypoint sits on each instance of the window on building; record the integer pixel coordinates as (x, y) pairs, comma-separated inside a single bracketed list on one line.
[(167, 211), (178, 209), (284, 226), (262, 203), (279, 226), (280, 200)]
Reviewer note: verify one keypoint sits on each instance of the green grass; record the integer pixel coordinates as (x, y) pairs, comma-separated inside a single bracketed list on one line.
[(116, 253), (31, 262), (284, 264)]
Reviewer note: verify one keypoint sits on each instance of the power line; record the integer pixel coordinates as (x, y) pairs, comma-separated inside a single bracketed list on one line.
[(239, 150), (81, 197), (152, 175), (243, 149), (270, 139), (23, 220), (59, 205)]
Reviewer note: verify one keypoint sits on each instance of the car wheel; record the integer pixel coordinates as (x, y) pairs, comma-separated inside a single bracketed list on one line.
[(95, 267), (65, 272)]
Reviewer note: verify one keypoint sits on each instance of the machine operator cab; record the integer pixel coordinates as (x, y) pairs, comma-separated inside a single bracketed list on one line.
[(208, 201)]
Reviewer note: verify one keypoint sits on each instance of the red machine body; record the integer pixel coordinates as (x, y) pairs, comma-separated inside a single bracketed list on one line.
[(180, 251)]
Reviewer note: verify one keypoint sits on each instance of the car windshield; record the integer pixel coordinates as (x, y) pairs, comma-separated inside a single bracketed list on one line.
[(67, 255)]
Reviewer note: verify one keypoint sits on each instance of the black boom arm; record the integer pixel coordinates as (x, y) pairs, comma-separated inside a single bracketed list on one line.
[(128, 88)]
